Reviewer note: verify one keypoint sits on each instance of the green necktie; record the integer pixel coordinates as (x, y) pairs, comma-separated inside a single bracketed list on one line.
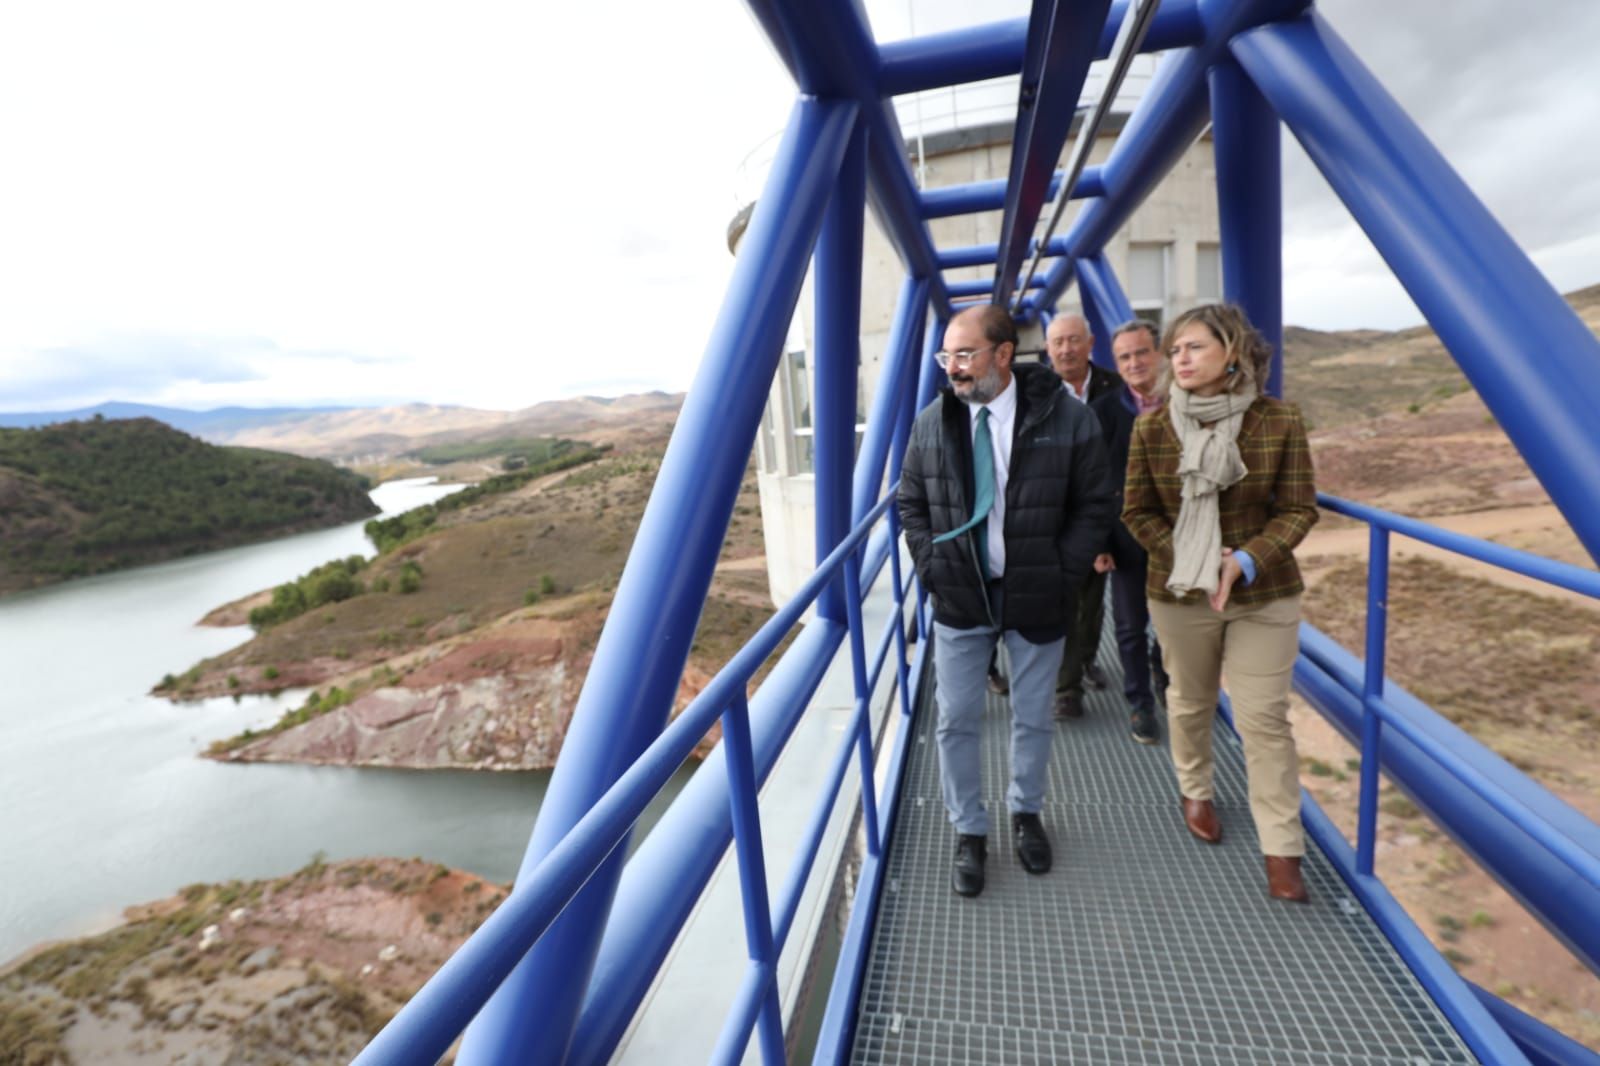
[(982, 491)]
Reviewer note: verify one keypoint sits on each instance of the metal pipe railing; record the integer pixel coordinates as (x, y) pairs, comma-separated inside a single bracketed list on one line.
[(1131, 32), (1550, 571), (1378, 713), (937, 60), (424, 1029), (1522, 347)]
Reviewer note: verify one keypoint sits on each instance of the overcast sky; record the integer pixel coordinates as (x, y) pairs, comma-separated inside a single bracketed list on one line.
[(500, 203)]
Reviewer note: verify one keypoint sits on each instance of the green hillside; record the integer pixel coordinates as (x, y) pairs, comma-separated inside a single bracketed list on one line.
[(80, 498)]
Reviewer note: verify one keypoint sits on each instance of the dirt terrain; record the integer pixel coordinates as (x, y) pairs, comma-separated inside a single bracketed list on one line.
[(479, 667), (1513, 661), (300, 969), (1356, 375), (375, 438)]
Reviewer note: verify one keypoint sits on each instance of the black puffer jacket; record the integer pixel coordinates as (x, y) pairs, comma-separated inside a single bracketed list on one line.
[(1058, 506)]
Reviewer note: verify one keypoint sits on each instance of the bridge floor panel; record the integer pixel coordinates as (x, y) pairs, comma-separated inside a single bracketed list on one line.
[(1142, 945)]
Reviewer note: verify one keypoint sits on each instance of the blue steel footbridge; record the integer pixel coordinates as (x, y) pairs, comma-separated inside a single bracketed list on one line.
[(1139, 947)]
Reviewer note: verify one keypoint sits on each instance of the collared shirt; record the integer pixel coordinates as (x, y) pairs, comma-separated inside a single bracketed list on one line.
[(1002, 416), (1081, 395), (1143, 404)]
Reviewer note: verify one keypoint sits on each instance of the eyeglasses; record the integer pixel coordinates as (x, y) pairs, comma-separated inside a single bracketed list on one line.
[(964, 357)]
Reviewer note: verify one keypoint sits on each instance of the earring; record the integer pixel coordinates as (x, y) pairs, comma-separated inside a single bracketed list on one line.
[(1233, 368)]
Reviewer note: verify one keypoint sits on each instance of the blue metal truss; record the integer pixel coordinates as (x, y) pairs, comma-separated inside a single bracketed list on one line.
[(558, 971)]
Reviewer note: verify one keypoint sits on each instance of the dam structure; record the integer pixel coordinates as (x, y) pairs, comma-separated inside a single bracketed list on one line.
[(794, 902)]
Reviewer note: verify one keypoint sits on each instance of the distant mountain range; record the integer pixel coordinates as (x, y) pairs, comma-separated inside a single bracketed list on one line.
[(221, 420), (369, 433)]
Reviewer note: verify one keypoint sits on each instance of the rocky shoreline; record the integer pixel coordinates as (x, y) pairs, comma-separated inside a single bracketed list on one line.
[(303, 968)]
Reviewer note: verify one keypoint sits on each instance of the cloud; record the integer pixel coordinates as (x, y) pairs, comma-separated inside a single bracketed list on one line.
[(418, 211), (1508, 109), (162, 368), (124, 368)]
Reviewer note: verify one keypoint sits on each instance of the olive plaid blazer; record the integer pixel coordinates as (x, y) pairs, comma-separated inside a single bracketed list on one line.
[(1266, 514)]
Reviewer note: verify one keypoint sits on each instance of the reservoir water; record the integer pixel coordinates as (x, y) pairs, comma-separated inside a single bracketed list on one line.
[(103, 800)]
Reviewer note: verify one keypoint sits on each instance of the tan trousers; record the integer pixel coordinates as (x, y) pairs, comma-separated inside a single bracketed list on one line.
[(1255, 648)]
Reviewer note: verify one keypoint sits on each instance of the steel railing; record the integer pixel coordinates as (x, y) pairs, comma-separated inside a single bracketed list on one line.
[(1378, 713), (424, 1029)]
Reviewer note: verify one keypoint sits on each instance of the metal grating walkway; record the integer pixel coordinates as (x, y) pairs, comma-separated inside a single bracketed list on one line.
[(1141, 946)]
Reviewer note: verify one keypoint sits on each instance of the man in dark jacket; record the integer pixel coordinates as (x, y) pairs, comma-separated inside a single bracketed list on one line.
[(1069, 344), (1137, 350), (1005, 501)]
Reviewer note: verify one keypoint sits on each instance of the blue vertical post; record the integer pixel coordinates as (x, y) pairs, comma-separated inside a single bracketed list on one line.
[(743, 802), (837, 361), (1101, 330), (929, 375), (1371, 692), (861, 722), (898, 595), (1248, 152), (642, 650), (889, 396), (1104, 304), (929, 339)]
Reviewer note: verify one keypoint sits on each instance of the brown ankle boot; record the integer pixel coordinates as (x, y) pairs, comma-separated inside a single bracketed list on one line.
[(1284, 880), (1201, 818)]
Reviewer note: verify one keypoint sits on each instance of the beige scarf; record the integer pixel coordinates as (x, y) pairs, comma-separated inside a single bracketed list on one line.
[(1210, 463)]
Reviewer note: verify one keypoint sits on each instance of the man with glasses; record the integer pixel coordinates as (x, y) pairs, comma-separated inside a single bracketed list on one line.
[(1005, 499)]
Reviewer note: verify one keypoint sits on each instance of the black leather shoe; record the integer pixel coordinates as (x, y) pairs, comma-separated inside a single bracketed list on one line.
[(1093, 676), (997, 682), (1144, 725), (1033, 847), (971, 852), (1069, 705)]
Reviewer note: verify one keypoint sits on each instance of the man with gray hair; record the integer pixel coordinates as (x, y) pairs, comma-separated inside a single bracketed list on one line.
[(1069, 343), (1004, 499)]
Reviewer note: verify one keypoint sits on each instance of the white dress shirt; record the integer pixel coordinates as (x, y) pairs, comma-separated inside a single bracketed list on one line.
[(1002, 416), (1083, 396)]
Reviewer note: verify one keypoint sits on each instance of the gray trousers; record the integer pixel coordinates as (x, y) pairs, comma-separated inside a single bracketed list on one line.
[(961, 664)]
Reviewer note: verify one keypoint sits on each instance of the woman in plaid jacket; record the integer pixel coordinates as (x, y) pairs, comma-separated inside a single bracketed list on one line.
[(1219, 492)]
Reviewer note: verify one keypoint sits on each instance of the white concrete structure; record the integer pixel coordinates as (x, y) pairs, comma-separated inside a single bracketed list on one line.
[(1167, 258)]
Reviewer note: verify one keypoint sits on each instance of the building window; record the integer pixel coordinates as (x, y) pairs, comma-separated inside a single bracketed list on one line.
[(769, 442), (1149, 267), (1208, 273), (797, 389), (802, 452)]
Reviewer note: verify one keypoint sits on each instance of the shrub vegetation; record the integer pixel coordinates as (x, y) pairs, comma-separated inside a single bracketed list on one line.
[(387, 534), (84, 497), (329, 583)]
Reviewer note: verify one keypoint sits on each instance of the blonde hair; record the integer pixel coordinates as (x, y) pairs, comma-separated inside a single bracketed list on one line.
[(1247, 350)]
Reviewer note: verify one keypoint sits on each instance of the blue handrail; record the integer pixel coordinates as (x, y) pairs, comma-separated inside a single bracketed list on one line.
[(1550, 571), (1379, 713), (424, 1029)]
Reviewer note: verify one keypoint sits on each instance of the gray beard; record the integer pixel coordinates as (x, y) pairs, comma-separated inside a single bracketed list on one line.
[(986, 388)]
